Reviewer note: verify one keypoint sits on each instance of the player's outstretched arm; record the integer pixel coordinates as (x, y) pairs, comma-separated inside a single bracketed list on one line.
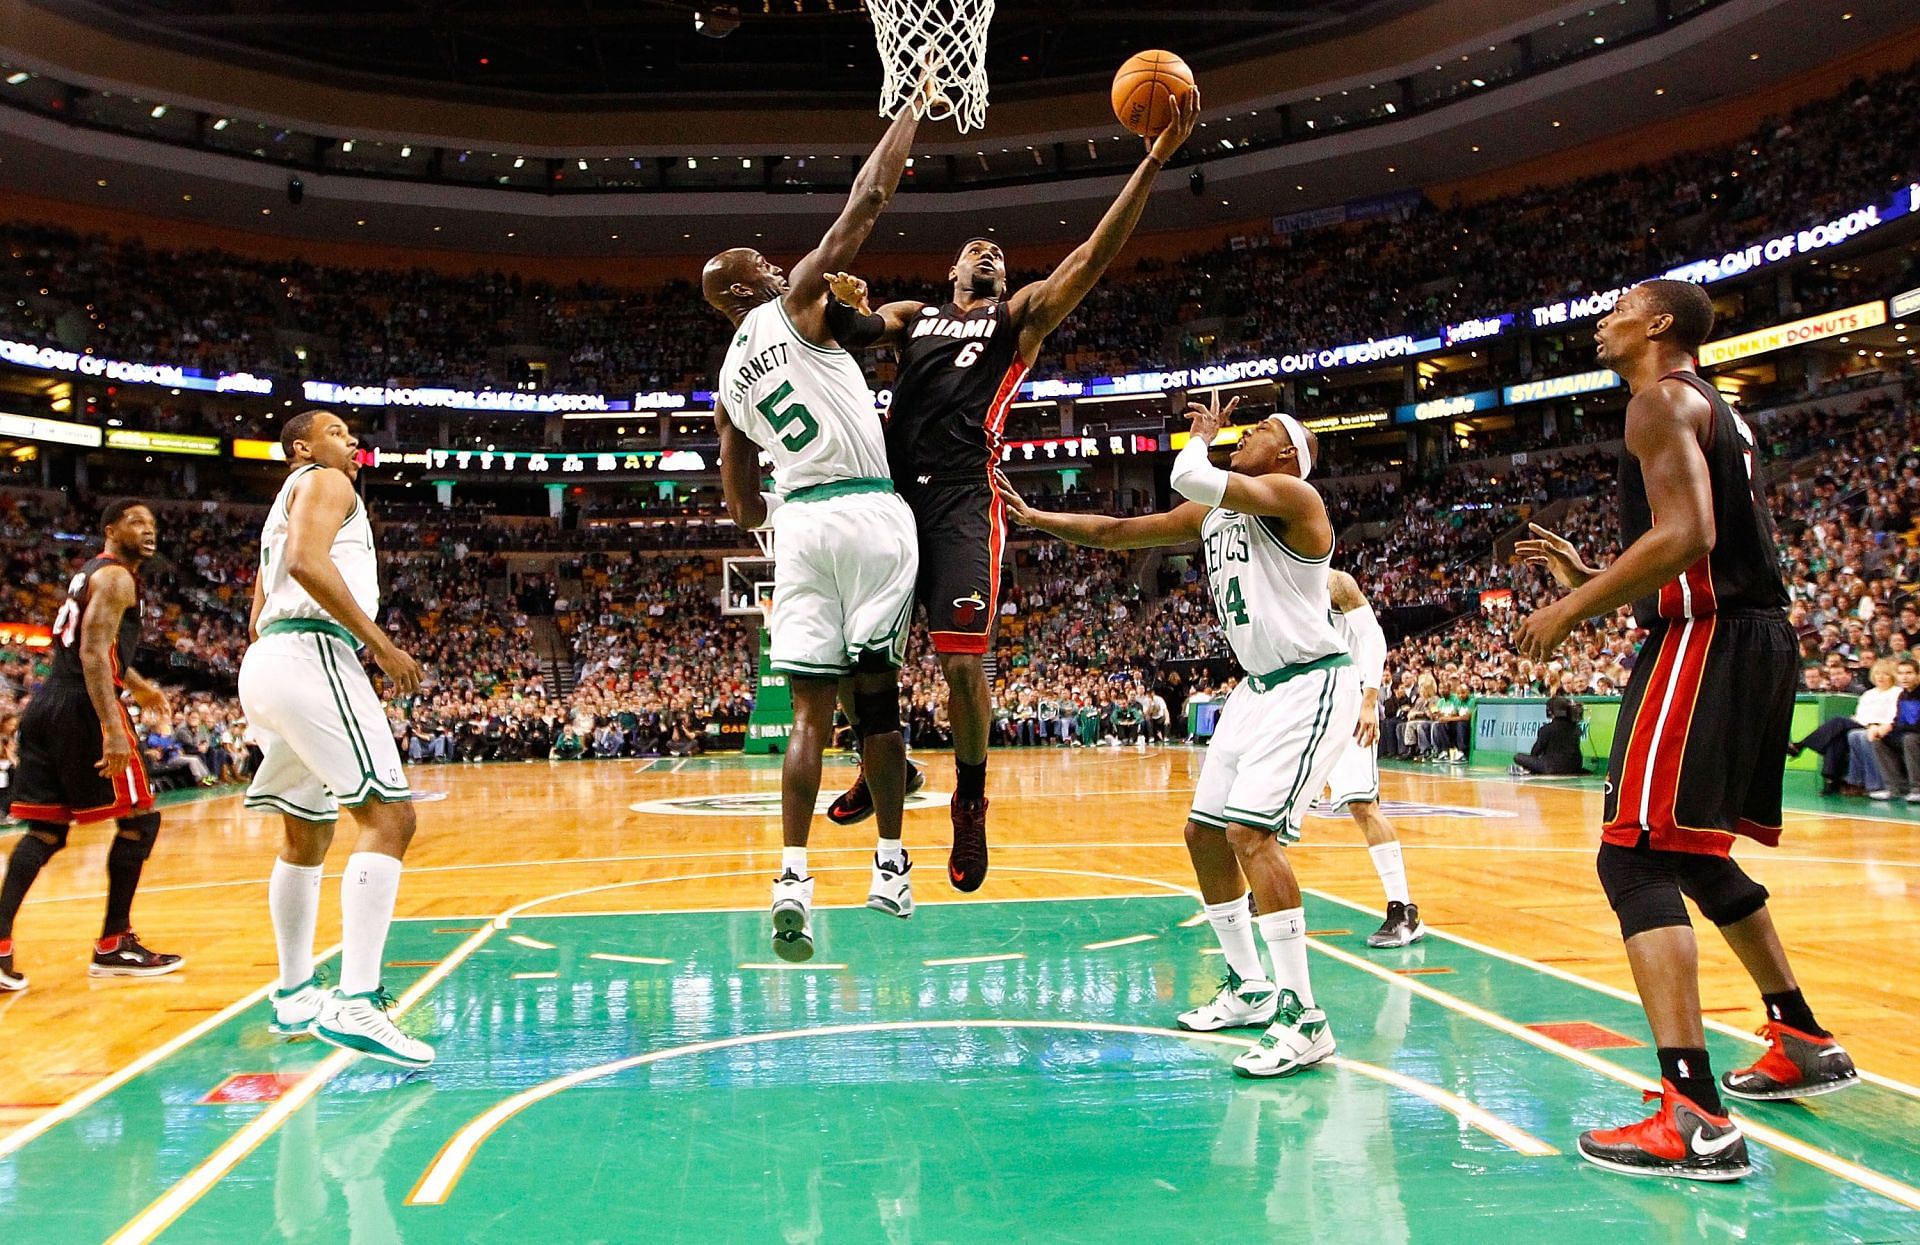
[(1663, 433), (321, 502), (1175, 527), (1041, 307), (873, 189), (853, 321), (740, 475)]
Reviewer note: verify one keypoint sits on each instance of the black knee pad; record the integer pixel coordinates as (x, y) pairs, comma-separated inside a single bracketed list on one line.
[(879, 713), (138, 834), (1642, 887), (51, 835), (1723, 890)]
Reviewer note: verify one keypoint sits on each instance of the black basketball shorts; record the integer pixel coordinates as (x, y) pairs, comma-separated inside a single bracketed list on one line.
[(963, 535), (1701, 746), (57, 778)]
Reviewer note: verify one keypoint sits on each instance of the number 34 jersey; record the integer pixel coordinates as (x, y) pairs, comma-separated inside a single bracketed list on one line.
[(1273, 602), (807, 406)]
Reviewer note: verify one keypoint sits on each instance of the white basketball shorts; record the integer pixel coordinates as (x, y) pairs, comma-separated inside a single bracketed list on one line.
[(843, 575), (1271, 751)]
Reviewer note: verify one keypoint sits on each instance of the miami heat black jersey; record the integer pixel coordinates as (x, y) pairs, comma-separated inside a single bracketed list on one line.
[(66, 626), (959, 371), (1742, 572)]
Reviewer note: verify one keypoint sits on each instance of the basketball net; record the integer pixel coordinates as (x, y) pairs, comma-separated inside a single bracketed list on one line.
[(948, 35)]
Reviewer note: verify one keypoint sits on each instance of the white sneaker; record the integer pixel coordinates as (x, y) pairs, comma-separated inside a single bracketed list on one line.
[(295, 1010), (1913, 797), (1298, 1038), (793, 918), (1237, 1004), (359, 1022), (891, 890), (1882, 794)]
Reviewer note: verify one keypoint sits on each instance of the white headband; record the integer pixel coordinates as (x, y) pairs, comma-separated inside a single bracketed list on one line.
[(1298, 433)]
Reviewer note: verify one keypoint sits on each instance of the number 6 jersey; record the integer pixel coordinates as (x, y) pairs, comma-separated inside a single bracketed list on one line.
[(1273, 603), (807, 406)]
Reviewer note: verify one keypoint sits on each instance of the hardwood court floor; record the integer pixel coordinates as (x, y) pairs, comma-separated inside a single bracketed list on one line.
[(897, 1099)]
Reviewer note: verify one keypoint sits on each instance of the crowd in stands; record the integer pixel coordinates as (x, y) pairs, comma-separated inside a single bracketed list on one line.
[(1282, 293)]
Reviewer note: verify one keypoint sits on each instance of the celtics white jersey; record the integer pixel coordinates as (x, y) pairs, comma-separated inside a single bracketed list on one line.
[(352, 552), (1272, 602), (807, 406)]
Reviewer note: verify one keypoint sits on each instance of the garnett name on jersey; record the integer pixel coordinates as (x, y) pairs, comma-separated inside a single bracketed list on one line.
[(767, 361)]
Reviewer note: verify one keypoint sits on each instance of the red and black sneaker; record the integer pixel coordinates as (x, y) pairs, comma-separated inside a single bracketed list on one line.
[(1796, 1065), (123, 956), (1679, 1140), (967, 862), (855, 804), (12, 980)]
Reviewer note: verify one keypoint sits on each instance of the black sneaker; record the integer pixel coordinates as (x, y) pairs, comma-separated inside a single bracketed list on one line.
[(1401, 928), (967, 862), (855, 804), (12, 981), (1796, 1065), (125, 957)]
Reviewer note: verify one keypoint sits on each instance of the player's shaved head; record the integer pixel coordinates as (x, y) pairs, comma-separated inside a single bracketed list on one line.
[(739, 279), (733, 266), (1687, 303), (300, 428)]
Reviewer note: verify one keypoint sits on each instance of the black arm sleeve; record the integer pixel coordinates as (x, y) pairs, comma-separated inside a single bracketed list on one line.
[(851, 329)]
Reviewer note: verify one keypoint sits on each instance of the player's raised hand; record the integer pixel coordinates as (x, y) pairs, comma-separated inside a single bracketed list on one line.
[(1186, 115), (850, 290), (1017, 508), (1208, 419), (1557, 554), (402, 669)]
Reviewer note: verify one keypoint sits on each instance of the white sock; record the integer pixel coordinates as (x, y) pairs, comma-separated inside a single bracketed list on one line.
[(366, 909), (1286, 935), (1392, 869), (293, 898), (891, 851), (794, 860), (1233, 926)]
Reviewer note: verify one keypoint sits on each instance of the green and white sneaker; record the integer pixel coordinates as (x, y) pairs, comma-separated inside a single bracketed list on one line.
[(359, 1022), (1238, 1004), (1298, 1038), (295, 1010)]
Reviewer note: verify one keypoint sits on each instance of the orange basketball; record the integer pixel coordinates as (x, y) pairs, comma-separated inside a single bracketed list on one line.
[(1145, 88)]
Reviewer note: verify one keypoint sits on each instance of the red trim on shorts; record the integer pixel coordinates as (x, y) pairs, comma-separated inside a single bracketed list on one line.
[(131, 792), (41, 812), (959, 641), (1656, 762)]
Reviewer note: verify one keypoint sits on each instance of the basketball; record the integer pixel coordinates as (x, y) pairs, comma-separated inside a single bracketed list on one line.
[(1144, 91)]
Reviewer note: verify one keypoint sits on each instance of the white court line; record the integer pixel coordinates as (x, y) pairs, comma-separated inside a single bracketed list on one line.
[(1833, 1164), (770, 966), (436, 1183), (1625, 996), (548, 976), (114, 1080), (819, 907), (975, 959), (626, 959), (1119, 942), (532, 943), (156, 1218)]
